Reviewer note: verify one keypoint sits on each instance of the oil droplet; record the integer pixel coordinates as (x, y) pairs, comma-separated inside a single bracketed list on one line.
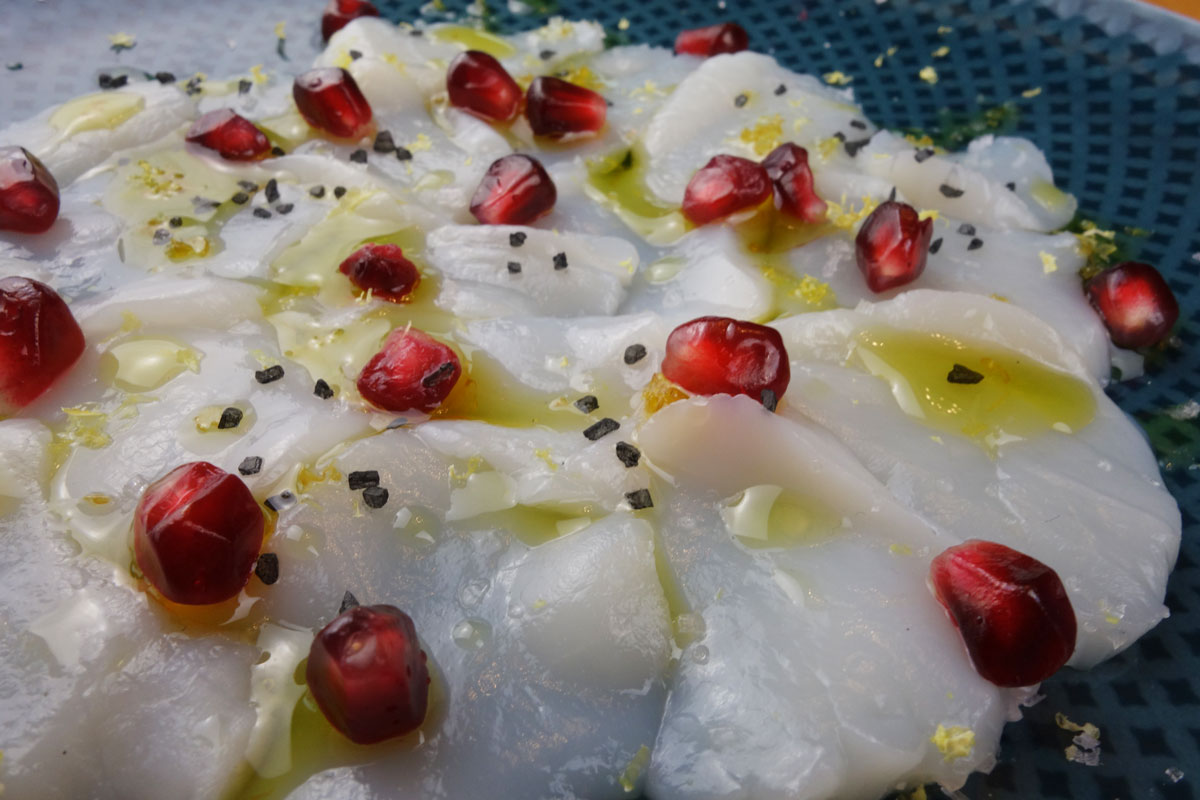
[(471, 633), (473, 39), (619, 184), (98, 111), (1017, 397), (139, 365), (765, 516)]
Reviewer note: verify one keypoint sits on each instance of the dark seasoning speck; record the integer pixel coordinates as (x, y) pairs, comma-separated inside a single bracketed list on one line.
[(560, 260), (230, 418), (269, 375), (639, 499), (359, 156), (634, 353), (587, 404), (267, 568), (251, 465), (601, 429)]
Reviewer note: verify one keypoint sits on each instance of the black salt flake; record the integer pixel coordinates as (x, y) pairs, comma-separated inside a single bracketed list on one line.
[(267, 568), (363, 479), (244, 86), (780, 89), (966, 229), (359, 156), (546, 55), (634, 353), (514, 267), (248, 186), (230, 418), (162, 236), (587, 404), (262, 213), (241, 198), (384, 142), (949, 191), (403, 153), (1011, 186), (251, 465), (628, 454), (858, 123), (269, 375), (175, 222), (560, 260), (975, 244), (284, 208), (355, 55), (164, 77), (322, 389), (349, 601), (741, 100), (277, 151), (923, 154), (317, 192), (961, 374), (639, 499), (271, 191), (339, 192), (853, 148), (516, 238), (935, 245), (600, 429), (769, 400), (375, 496)]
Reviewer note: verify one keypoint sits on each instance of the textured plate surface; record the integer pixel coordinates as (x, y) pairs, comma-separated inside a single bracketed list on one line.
[(1118, 114)]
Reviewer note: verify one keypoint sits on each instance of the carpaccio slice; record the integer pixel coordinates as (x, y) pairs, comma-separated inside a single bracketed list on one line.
[(466, 415)]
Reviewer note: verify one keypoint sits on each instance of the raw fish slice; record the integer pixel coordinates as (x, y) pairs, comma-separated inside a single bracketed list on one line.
[(706, 273), (833, 630), (638, 79), (701, 120), (1033, 271), (395, 67), (980, 175), (593, 281), (1069, 500), (72, 138), (558, 652), (89, 665)]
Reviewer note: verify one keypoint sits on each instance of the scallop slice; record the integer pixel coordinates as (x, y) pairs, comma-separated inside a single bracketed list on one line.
[(150, 394), (557, 274), (706, 273), (972, 186), (90, 666), (702, 118), (395, 68), (1033, 271), (820, 663), (558, 652), (81, 133), (1067, 499), (582, 355)]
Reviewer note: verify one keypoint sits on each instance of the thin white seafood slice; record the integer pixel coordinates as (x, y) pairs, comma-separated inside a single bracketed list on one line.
[(89, 666), (556, 274), (74, 137), (167, 359), (394, 68), (972, 185), (1086, 500), (705, 273), (702, 117), (1033, 271), (821, 665), (578, 355), (558, 651)]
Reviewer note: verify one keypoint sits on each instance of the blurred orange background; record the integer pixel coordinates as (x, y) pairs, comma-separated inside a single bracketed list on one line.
[(1189, 8)]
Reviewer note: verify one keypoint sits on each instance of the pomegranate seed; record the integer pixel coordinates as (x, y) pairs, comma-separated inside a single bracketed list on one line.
[(478, 83), (892, 245), (382, 270), (1137, 306), (1011, 610), (726, 37), (555, 107), (196, 534), (724, 186), (787, 167), (515, 190), (331, 101), (39, 341), (718, 355), (368, 674), (339, 12), (413, 371), (233, 136), (28, 192)]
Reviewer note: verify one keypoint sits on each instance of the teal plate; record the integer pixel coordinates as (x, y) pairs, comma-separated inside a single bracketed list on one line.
[(1118, 115)]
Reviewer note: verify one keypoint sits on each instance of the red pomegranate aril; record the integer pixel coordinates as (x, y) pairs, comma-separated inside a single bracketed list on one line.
[(515, 190), (330, 100), (719, 355), (892, 245), (412, 372), (369, 675), (382, 270), (340, 12), (1134, 301), (726, 37), (555, 108), (233, 136), (28, 192), (787, 167), (1011, 610), (39, 341), (478, 83), (196, 534), (724, 186)]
